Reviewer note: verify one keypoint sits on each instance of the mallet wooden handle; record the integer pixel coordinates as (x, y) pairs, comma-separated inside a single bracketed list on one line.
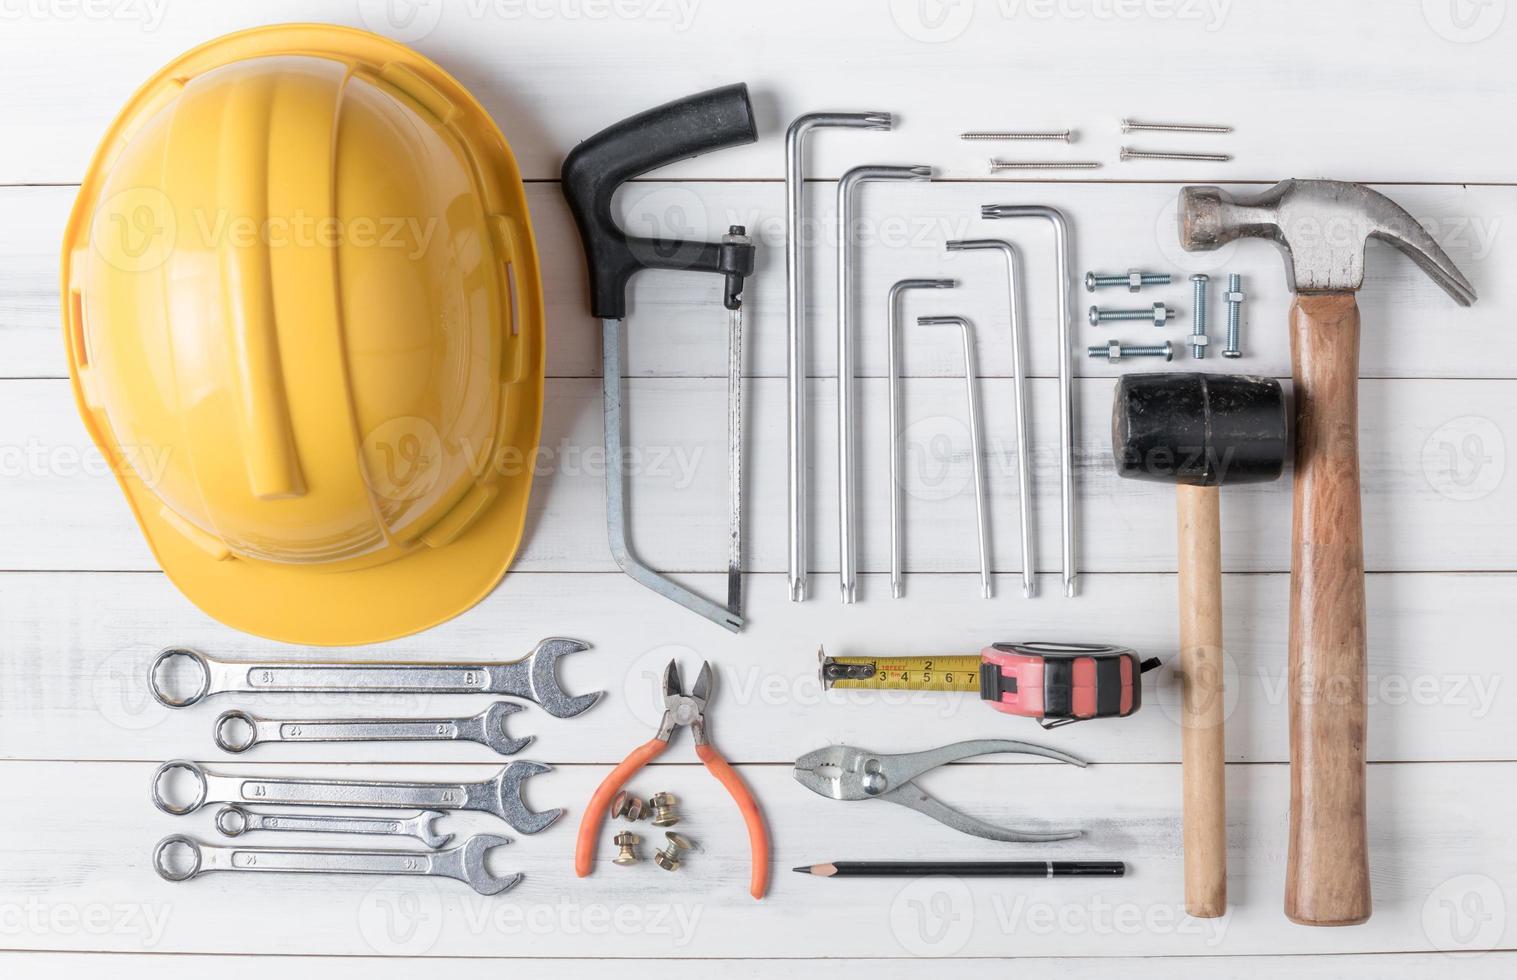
[(1327, 880), (1202, 748)]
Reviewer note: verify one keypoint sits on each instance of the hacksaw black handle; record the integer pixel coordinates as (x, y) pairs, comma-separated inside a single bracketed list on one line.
[(660, 136)]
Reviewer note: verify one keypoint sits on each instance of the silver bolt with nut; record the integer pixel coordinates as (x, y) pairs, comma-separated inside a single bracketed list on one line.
[(1198, 338), (664, 806), (1134, 280), (1234, 315), (1114, 351), (1159, 314), (627, 843), (672, 855)]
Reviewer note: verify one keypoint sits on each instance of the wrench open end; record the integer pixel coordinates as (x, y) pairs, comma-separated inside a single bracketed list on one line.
[(544, 678), (473, 871), (506, 802), (492, 722), (426, 831)]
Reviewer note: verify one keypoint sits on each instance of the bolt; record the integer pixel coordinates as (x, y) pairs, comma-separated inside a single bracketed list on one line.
[(1159, 314), (627, 806), (1129, 126), (627, 841), (670, 857), (1130, 154), (1133, 280), (1001, 166), (1060, 135), (1198, 338), (1234, 314), (1113, 351), (664, 812)]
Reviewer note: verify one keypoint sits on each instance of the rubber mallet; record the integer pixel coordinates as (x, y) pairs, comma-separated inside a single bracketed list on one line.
[(1199, 431)]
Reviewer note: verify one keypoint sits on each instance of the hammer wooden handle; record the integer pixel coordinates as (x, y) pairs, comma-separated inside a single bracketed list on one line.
[(1327, 880), (1202, 748)]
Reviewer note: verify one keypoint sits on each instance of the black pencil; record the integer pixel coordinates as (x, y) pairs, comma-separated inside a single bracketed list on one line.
[(966, 869)]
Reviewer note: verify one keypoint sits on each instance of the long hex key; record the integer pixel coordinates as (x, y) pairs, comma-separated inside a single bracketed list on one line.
[(987, 588), (1019, 400), (892, 359), (795, 285), (847, 502), (1056, 218)]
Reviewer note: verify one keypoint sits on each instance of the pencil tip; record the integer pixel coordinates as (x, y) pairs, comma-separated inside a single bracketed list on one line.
[(804, 869)]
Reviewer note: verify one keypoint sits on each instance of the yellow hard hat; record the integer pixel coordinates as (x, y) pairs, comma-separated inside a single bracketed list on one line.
[(304, 321)]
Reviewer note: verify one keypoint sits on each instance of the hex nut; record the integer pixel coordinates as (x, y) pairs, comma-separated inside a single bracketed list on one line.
[(1235, 297), (664, 806), (1162, 314), (627, 841), (1113, 351), (626, 806), (1134, 280), (671, 857)]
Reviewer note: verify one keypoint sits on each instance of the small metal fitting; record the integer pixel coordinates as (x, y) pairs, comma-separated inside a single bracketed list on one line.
[(672, 855), (1126, 153), (1133, 280), (1198, 338), (626, 806), (664, 806), (1160, 314), (981, 136), (627, 841), (1002, 166), (1234, 315), (1131, 126), (1113, 351)]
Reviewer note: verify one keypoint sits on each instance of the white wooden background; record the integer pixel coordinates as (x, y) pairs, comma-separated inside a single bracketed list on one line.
[(1411, 95)]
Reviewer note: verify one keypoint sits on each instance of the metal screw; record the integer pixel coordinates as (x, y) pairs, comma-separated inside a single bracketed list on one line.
[(1129, 126), (664, 812), (1160, 314), (1133, 280), (1061, 135), (1198, 338), (1128, 154), (670, 857), (627, 841), (1001, 166), (627, 806), (1234, 314), (1113, 351)]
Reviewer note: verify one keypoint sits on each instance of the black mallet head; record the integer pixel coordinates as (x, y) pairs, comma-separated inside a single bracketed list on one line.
[(1199, 429)]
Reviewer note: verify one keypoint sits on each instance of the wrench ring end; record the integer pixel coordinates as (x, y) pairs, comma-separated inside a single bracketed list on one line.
[(228, 718), (172, 653), (202, 787), (160, 853)]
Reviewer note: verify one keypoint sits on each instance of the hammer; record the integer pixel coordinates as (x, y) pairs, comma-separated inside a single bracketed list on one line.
[(1200, 431), (1322, 226)]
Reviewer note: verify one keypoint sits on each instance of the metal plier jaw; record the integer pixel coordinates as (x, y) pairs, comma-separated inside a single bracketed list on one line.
[(680, 709), (842, 772)]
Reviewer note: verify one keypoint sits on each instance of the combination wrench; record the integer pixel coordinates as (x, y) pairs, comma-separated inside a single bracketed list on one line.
[(531, 678), (238, 731), (500, 795), (465, 863), (234, 821)]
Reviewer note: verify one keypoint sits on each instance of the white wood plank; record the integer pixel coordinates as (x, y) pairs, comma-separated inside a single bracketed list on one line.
[(1436, 496), (1370, 93), (85, 868), (1394, 966), (81, 644), (1411, 328)]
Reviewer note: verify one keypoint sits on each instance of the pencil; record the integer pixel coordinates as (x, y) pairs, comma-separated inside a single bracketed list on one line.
[(966, 869)]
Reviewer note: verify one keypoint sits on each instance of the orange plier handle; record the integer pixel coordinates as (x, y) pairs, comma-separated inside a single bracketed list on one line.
[(600, 804)]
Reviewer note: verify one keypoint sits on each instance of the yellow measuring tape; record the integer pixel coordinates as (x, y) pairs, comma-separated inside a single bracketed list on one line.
[(948, 673)]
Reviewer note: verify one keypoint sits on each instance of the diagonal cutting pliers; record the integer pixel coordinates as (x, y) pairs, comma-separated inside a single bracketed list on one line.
[(680, 709)]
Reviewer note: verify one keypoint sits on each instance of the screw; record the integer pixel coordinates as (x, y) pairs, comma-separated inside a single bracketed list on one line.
[(1234, 314), (1114, 351), (1129, 126), (1128, 154), (1198, 338), (627, 841), (628, 806), (1133, 280), (664, 812), (670, 857), (1061, 135), (1159, 314), (1001, 166)]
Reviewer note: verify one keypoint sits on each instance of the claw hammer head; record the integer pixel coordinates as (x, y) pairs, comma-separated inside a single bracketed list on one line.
[(1321, 226)]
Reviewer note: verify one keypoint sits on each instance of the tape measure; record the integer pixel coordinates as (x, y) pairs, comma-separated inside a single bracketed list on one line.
[(1055, 683)]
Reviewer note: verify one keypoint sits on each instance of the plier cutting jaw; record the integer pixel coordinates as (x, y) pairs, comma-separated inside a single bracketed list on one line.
[(680, 710)]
